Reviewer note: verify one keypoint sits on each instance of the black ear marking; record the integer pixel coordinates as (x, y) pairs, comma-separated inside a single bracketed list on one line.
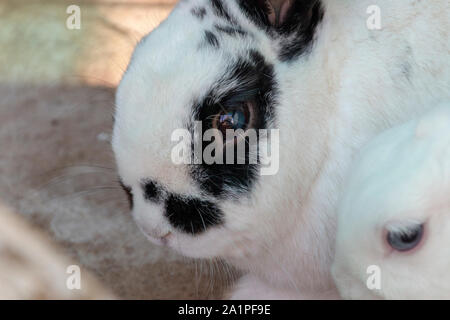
[(302, 20), (275, 11), (258, 11), (294, 20)]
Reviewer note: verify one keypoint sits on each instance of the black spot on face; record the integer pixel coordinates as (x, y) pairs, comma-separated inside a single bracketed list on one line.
[(211, 39), (129, 194), (186, 214), (191, 215), (231, 31), (200, 12), (152, 191), (256, 83)]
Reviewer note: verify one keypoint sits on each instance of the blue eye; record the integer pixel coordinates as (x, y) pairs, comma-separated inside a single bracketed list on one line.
[(405, 240), (233, 119)]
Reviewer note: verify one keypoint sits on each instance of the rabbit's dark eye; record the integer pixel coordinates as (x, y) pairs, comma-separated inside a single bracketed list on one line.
[(405, 240), (237, 118)]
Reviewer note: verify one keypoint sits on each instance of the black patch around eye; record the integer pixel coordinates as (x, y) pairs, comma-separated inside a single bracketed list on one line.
[(129, 194), (200, 12), (152, 191), (256, 83), (191, 215), (211, 39)]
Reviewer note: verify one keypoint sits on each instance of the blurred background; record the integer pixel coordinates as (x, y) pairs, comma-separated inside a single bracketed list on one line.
[(56, 165)]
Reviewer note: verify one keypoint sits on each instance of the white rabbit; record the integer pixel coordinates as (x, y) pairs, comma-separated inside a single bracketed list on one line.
[(394, 219), (312, 69)]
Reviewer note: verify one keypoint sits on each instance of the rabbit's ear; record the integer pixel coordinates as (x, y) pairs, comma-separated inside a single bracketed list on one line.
[(282, 14), (293, 21), (275, 10)]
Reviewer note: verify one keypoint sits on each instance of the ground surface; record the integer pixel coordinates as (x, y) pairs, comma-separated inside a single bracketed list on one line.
[(56, 166)]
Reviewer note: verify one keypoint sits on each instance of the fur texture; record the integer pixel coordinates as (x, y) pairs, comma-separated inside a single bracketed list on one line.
[(345, 85), (401, 179)]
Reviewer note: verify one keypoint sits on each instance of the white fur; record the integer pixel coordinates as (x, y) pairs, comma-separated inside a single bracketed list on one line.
[(402, 176), (349, 89)]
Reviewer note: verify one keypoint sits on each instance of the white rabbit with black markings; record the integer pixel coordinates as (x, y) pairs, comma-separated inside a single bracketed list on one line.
[(310, 68), (394, 219)]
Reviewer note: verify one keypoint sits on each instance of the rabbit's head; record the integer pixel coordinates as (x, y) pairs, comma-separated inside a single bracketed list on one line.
[(394, 219), (214, 68)]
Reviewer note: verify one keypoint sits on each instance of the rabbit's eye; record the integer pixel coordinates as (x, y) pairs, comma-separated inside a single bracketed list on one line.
[(405, 240), (237, 118)]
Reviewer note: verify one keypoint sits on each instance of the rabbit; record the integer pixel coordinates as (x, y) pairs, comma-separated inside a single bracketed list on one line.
[(309, 72), (394, 218)]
